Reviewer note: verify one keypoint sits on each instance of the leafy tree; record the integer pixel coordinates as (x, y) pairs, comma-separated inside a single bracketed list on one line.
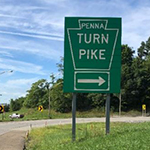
[(143, 82), (6, 107), (127, 55), (114, 102), (141, 50), (60, 65), (61, 102), (127, 82), (147, 47), (83, 102), (16, 104), (52, 77), (37, 95), (144, 49), (97, 100), (140, 79)]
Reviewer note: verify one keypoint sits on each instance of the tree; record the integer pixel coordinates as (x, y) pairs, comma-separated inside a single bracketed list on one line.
[(83, 102), (7, 107), (52, 77), (147, 46), (141, 51), (16, 104), (144, 49), (60, 66), (127, 55), (61, 102), (140, 78), (144, 82), (127, 82), (37, 95), (97, 100)]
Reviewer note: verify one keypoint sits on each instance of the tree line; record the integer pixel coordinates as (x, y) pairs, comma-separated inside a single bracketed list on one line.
[(135, 87)]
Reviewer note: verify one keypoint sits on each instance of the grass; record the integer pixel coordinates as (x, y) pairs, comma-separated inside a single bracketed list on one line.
[(91, 136), (34, 114)]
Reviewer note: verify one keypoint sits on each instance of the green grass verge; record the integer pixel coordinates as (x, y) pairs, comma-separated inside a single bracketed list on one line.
[(34, 114), (91, 136)]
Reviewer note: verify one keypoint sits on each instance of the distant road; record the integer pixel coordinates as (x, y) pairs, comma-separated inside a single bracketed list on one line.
[(27, 125)]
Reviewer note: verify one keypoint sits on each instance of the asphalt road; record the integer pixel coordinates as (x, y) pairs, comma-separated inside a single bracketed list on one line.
[(27, 125)]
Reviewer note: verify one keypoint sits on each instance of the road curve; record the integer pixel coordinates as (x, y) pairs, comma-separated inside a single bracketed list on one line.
[(27, 125)]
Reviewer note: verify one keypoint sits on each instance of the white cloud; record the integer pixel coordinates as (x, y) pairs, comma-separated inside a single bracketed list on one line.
[(34, 36), (40, 49), (136, 26), (5, 53), (24, 67), (11, 16), (32, 17), (49, 54), (15, 88), (20, 82)]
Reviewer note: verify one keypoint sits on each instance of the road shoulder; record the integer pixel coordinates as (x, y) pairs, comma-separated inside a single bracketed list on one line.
[(13, 140)]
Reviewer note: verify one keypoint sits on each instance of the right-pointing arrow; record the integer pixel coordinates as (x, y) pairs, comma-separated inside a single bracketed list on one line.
[(100, 81)]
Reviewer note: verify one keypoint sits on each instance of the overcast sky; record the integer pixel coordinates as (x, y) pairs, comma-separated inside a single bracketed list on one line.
[(32, 35)]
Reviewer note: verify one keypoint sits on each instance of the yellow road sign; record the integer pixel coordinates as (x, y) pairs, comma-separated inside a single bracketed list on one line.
[(1, 108), (40, 108), (143, 107)]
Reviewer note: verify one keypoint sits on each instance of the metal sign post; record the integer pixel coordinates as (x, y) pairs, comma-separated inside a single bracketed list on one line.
[(120, 104), (74, 117), (108, 114), (143, 110)]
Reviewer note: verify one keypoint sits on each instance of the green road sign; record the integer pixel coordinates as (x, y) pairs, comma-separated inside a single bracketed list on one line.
[(92, 57)]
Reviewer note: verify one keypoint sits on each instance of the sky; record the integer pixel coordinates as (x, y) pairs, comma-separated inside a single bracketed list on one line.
[(32, 35)]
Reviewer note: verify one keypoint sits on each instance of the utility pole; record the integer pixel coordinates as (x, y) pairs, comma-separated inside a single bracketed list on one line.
[(49, 88), (49, 95)]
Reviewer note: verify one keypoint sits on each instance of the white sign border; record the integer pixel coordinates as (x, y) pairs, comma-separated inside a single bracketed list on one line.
[(91, 89), (80, 29)]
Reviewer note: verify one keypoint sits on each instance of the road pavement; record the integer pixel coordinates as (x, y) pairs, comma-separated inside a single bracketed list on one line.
[(13, 140), (12, 134)]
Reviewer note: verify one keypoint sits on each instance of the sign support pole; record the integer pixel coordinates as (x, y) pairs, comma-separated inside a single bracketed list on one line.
[(74, 117), (120, 104), (108, 114)]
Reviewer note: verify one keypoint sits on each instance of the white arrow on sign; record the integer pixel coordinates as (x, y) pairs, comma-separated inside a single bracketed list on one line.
[(100, 81)]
